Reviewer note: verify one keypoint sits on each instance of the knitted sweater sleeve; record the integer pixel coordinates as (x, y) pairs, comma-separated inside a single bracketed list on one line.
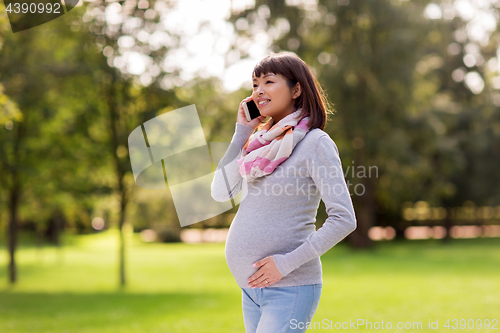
[(227, 180), (326, 172)]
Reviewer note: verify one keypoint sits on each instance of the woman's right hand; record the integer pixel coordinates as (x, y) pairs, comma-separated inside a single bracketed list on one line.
[(242, 119)]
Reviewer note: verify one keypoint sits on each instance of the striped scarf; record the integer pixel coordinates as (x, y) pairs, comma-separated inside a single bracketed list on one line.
[(271, 146)]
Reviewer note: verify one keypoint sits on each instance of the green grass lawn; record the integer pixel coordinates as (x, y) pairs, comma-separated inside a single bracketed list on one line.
[(188, 287)]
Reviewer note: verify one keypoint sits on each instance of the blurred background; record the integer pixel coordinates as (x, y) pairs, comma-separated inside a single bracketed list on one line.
[(415, 87)]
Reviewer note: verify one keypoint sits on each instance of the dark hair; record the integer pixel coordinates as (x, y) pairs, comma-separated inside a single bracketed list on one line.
[(312, 99)]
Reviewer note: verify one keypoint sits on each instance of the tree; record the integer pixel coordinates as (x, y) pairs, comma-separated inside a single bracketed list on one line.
[(45, 72)]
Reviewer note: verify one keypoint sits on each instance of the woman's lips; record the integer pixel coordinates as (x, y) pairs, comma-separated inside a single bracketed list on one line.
[(263, 104)]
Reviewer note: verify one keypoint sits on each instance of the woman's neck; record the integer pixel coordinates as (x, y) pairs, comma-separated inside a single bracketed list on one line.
[(275, 121)]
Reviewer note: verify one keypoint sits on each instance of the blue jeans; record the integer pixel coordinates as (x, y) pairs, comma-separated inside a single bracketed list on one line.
[(280, 309)]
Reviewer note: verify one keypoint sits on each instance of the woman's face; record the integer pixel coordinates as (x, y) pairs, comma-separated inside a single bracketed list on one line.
[(273, 96)]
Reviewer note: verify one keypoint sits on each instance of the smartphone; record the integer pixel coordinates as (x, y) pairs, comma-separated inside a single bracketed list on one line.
[(251, 110)]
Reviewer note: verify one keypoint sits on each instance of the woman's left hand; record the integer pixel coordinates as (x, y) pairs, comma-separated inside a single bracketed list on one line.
[(268, 271)]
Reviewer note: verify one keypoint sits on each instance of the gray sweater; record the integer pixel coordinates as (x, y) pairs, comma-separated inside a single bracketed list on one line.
[(277, 212)]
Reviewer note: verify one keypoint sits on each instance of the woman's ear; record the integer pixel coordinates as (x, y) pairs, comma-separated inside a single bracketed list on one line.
[(296, 91)]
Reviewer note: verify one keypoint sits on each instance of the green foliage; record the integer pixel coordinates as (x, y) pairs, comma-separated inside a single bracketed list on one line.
[(47, 73)]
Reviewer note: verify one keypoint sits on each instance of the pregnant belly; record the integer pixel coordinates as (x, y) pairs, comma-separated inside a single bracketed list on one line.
[(246, 244), (256, 241)]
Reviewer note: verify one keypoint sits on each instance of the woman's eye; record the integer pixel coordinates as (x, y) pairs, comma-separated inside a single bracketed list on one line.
[(266, 82)]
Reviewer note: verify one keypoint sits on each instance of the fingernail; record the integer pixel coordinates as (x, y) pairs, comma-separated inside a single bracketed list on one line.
[(254, 265)]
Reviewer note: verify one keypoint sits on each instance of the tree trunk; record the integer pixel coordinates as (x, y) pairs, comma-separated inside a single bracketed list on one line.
[(13, 204), (123, 205), (400, 228), (112, 103), (365, 213), (14, 194), (59, 225), (448, 224)]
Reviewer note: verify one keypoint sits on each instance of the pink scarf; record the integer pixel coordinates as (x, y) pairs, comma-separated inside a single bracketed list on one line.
[(267, 148)]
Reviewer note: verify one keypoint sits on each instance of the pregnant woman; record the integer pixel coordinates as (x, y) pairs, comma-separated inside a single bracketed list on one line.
[(283, 170)]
